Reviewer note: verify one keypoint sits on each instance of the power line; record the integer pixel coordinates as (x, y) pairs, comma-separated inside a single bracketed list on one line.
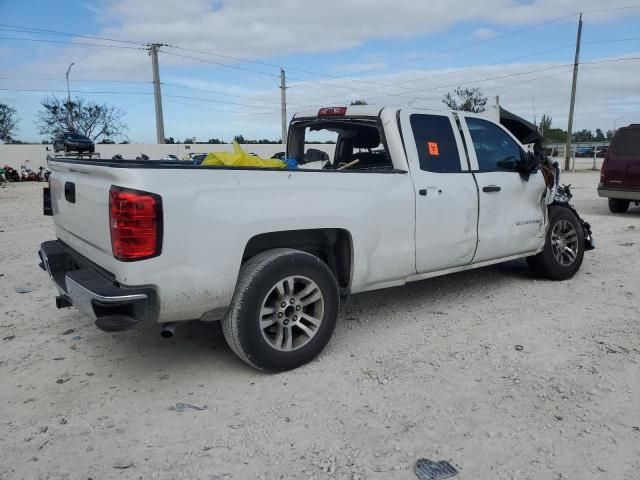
[(528, 55), (42, 40), (206, 107), (479, 42), (330, 76), (73, 91), (509, 75), (236, 67), (471, 44), (37, 79), (406, 94), (210, 100), (42, 31), (216, 92)]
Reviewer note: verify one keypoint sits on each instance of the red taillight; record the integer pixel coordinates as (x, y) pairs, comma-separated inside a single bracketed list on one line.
[(603, 169), (332, 111), (135, 220)]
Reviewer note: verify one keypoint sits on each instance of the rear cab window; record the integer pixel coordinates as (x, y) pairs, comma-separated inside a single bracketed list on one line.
[(359, 142), (436, 143), (626, 141)]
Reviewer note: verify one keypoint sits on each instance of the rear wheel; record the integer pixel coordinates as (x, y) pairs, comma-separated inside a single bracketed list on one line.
[(564, 247), (283, 311), (617, 205)]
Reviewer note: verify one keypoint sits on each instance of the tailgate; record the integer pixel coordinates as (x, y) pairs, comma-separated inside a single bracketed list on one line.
[(80, 206)]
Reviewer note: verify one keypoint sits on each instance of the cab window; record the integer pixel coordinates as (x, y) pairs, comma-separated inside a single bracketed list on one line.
[(359, 144), (436, 143), (495, 149)]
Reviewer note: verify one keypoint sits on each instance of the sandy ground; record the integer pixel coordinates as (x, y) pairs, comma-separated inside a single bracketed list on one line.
[(427, 370)]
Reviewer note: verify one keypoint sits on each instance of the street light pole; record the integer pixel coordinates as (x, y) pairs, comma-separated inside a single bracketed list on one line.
[(615, 123), (69, 99)]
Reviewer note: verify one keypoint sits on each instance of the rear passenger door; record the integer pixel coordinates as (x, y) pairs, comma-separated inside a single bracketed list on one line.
[(445, 191), (511, 220)]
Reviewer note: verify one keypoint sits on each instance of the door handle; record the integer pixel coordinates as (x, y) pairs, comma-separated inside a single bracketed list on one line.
[(70, 192), (491, 188), (430, 191)]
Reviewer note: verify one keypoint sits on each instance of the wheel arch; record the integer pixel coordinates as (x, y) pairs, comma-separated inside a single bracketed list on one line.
[(334, 246)]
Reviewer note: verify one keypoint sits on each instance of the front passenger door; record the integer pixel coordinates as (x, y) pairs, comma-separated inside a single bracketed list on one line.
[(511, 220)]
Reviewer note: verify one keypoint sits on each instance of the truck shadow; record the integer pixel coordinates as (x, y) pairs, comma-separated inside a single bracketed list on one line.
[(200, 347), (601, 209)]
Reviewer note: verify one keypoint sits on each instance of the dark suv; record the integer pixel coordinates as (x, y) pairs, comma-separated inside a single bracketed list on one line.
[(620, 174), (73, 142)]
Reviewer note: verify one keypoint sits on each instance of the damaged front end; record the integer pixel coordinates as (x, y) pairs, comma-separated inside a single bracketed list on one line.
[(528, 134), (563, 197), (560, 194)]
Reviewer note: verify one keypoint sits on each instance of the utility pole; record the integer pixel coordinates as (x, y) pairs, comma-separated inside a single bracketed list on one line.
[(69, 99), (567, 148), (283, 107), (153, 51)]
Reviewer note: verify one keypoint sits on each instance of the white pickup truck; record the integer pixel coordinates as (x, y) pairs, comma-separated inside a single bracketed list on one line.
[(273, 252)]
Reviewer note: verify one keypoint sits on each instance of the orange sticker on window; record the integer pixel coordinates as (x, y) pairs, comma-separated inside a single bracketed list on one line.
[(433, 149)]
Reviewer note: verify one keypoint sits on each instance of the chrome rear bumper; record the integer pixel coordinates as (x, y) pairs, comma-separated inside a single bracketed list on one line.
[(113, 307), (633, 195)]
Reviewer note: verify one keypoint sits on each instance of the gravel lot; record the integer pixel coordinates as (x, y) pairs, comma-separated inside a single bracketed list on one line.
[(426, 370)]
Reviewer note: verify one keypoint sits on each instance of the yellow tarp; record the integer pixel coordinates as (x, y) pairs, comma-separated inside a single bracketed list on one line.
[(240, 158)]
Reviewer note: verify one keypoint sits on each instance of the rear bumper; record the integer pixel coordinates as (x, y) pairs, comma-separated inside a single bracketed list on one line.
[(622, 194), (112, 306)]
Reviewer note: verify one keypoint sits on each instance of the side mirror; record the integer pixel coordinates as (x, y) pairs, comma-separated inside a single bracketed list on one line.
[(530, 162)]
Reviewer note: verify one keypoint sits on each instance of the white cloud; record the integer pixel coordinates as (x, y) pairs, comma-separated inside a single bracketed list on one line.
[(256, 28), (483, 34), (360, 67)]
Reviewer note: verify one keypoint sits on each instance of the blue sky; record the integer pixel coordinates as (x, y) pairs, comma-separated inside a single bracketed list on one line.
[(386, 52)]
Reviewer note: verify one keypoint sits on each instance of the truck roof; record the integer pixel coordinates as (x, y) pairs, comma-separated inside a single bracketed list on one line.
[(523, 130), (374, 110), (355, 110)]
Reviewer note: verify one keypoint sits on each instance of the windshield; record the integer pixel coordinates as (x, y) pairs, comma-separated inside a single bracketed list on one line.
[(75, 136)]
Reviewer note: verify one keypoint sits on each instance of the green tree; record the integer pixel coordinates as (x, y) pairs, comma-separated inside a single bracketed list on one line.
[(170, 140), (215, 141), (239, 139), (81, 116), (583, 135), (8, 122), (545, 123), (467, 100), (555, 135), (610, 134), (358, 102), (599, 136)]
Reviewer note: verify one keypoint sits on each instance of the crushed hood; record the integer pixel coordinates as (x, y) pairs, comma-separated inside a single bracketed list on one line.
[(523, 130)]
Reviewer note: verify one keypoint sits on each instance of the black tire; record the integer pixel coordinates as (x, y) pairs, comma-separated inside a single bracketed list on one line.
[(258, 277), (545, 264), (617, 205)]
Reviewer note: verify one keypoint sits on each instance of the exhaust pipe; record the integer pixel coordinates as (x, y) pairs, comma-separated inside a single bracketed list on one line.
[(168, 329)]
